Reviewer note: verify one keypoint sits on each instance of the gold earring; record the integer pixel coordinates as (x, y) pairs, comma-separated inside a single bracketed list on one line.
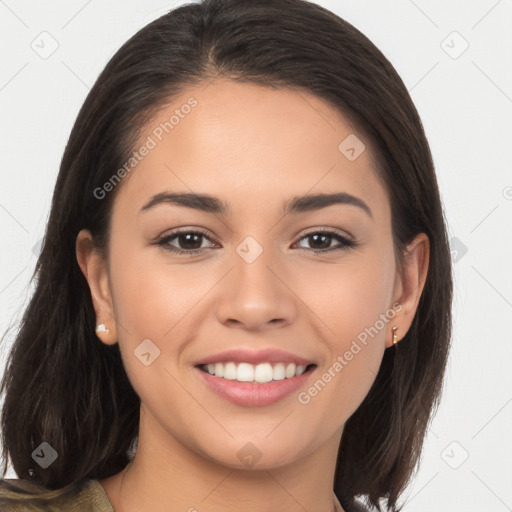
[(102, 328), (395, 337)]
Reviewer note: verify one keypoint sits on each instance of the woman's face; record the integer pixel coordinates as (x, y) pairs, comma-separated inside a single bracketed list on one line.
[(255, 284)]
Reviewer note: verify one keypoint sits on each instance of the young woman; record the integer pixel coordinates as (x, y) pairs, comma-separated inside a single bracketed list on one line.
[(243, 297)]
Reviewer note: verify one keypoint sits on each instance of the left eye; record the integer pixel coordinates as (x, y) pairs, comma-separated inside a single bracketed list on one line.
[(324, 238), (190, 241)]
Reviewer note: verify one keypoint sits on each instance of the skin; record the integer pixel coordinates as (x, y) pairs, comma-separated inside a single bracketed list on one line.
[(253, 147)]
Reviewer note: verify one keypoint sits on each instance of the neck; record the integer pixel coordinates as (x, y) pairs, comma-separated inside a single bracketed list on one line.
[(167, 475)]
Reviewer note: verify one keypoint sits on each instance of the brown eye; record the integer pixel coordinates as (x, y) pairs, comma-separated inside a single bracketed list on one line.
[(320, 241), (188, 242)]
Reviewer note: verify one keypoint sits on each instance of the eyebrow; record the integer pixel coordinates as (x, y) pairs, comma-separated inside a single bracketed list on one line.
[(299, 204)]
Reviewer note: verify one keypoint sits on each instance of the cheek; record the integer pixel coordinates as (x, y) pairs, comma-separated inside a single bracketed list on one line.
[(147, 305), (151, 297), (352, 309), (348, 297), (154, 302), (355, 348)]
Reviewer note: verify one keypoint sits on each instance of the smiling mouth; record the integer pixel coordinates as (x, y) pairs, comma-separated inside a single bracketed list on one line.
[(260, 373)]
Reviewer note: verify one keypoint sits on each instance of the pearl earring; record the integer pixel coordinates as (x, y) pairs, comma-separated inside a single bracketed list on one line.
[(102, 328)]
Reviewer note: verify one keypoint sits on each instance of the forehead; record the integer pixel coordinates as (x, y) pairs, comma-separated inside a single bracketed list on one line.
[(246, 142)]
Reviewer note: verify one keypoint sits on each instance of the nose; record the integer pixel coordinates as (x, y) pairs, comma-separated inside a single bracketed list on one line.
[(258, 295)]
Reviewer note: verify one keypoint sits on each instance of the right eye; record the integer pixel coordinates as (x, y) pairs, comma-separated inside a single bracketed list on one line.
[(187, 239)]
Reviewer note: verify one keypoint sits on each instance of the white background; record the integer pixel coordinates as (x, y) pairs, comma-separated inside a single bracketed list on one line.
[(466, 107)]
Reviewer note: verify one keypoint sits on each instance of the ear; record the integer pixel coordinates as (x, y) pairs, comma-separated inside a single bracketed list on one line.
[(94, 268), (409, 285)]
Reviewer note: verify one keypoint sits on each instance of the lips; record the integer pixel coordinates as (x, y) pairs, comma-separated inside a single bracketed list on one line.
[(253, 394), (269, 355)]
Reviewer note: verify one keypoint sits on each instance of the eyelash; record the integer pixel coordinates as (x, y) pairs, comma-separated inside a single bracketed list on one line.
[(164, 241)]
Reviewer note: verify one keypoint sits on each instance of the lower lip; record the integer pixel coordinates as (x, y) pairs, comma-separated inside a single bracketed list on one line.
[(253, 394)]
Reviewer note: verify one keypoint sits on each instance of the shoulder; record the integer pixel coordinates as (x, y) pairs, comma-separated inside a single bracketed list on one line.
[(17, 495)]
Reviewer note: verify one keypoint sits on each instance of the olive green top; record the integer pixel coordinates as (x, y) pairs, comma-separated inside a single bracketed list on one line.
[(18, 495)]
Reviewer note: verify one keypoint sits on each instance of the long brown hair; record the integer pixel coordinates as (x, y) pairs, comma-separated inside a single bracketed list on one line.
[(65, 387)]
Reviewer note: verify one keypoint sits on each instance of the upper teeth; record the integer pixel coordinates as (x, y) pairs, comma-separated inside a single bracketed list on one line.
[(263, 372)]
